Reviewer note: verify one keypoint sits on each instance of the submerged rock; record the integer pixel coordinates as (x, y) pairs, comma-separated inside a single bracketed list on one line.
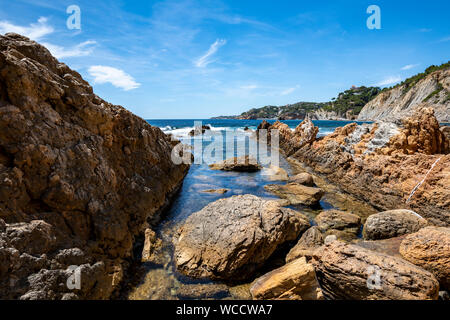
[(293, 281), (296, 193), (347, 271), (429, 248), (242, 164), (219, 191), (230, 238), (308, 243), (392, 223), (75, 172), (275, 173)]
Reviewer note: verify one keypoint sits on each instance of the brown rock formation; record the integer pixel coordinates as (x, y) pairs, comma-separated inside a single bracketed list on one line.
[(393, 223), (296, 193), (371, 165), (342, 224), (350, 272), (303, 178), (241, 164), (290, 141), (293, 281), (230, 238), (429, 248), (79, 178), (308, 243)]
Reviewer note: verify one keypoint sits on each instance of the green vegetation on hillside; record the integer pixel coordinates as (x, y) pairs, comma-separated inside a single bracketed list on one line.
[(353, 100)]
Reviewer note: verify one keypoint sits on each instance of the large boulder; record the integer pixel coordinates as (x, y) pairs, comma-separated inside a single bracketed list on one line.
[(308, 243), (75, 172), (296, 193), (346, 271), (230, 238), (429, 248), (340, 223), (242, 164), (294, 281), (392, 223)]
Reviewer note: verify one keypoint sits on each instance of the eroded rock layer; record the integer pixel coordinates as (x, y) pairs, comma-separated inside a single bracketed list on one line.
[(390, 165)]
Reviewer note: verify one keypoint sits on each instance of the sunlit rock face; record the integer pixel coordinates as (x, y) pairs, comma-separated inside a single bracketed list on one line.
[(79, 178)]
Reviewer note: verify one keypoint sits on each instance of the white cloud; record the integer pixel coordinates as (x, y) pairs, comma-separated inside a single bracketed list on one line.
[(409, 66), (288, 91), (80, 50), (117, 77), (389, 80), (204, 60), (34, 31)]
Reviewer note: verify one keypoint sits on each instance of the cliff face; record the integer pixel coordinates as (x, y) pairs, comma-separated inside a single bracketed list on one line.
[(401, 102), (389, 165), (79, 178)]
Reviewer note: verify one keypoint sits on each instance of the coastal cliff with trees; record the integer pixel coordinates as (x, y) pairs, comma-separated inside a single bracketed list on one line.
[(371, 103)]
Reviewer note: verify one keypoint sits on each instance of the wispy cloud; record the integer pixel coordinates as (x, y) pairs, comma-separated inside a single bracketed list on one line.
[(117, 77), (204, 60), (425, 30), (389, 80), (35, 31), (80, 50), (288, 91), (409, 66), (445, 39)]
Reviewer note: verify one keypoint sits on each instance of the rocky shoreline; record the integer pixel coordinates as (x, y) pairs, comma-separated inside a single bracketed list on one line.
[(83, 183)]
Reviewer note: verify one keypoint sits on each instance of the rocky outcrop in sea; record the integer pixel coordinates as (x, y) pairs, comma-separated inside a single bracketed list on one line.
[(80, 179)]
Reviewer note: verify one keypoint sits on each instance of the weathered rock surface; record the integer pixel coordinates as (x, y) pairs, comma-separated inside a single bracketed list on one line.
[(392, 223), (308, 243), (293, 281), (340, 223), (396, 104), (347, 271), (289, 141), (296, 193), (241, 164), (303, 178), (79, 178), (391, 166), (429, 248), (230, 238)]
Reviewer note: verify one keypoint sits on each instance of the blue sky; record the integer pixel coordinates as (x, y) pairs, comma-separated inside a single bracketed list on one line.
[(197, 59)]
